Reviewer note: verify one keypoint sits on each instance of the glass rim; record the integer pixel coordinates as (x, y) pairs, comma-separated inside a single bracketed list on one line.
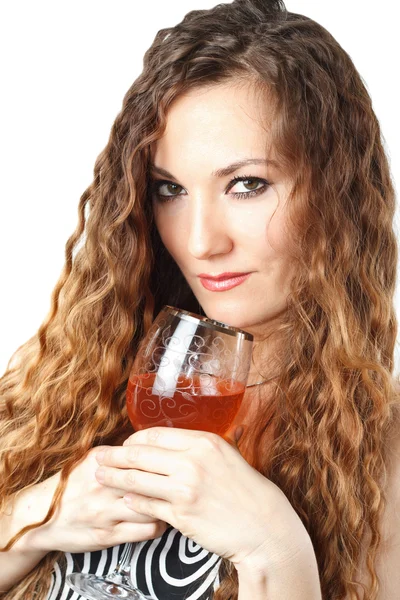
[(211, 323)]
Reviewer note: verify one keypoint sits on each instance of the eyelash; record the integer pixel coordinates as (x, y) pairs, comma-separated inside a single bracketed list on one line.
[(157, 183)]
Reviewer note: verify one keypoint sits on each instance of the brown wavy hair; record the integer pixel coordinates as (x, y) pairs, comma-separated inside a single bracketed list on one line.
[(335, 400)]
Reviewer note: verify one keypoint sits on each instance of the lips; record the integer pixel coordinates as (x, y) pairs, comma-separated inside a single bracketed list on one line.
[(227, 275), (223, 282)]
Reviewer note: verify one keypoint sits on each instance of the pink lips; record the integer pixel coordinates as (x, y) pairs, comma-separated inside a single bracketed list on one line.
[(223, 283)]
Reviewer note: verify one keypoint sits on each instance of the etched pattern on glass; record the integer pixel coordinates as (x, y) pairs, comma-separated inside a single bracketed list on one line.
[(191, 379)]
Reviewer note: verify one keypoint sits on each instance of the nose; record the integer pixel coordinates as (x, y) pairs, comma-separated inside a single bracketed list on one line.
[(208, 230)]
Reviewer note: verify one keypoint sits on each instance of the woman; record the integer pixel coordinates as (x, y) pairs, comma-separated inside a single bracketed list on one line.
[(306, 509)]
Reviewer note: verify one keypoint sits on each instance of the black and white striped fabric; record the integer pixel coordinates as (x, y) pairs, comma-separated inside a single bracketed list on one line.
[(171, 567)]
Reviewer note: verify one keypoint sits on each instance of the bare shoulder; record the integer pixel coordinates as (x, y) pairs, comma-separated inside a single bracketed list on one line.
[(392, 443), (388, 557), (387, 562)]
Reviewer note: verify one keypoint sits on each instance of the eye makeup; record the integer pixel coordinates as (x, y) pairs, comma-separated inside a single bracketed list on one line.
[(156, 184)]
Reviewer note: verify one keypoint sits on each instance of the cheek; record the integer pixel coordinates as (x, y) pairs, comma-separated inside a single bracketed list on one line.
[(260, 232), (277, 240), (276, 233), (257, 231), (172, 234), (267, 242)]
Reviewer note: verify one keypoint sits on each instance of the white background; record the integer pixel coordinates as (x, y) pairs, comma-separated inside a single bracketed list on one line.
[(65, 67)]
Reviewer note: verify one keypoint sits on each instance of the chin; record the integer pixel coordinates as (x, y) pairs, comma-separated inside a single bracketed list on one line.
[(224, 316), (252, 323)]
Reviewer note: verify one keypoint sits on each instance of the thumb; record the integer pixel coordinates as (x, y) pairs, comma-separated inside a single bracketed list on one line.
[(233, 437), (238, 433)]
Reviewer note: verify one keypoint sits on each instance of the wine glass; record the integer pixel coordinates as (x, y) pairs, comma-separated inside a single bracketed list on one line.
[(189, 372)]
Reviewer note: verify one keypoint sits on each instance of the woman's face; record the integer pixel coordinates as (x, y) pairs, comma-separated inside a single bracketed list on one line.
[(203, 225)]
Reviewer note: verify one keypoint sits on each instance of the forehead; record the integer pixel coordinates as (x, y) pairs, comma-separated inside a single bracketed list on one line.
[(227, 121)]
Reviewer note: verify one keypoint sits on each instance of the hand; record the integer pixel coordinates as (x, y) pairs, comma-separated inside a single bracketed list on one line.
[(201, 485), (90, 517)]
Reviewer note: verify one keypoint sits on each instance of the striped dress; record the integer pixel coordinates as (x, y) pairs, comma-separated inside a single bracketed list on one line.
[(171, 567)]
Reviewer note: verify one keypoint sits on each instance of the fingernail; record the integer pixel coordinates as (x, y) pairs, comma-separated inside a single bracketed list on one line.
[(100, 475)]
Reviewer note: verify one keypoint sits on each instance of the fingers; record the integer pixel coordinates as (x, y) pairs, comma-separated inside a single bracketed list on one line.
[(122, 533), (141, 482), (126, 532), (123, 513), (173, 438), (233, 436), (148, 458), (153, 507)]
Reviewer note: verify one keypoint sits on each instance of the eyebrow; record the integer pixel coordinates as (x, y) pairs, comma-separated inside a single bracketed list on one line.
[(225, 170)]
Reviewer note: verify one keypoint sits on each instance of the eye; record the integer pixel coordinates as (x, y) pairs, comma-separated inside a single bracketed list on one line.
[(248, 180), (170, 188)]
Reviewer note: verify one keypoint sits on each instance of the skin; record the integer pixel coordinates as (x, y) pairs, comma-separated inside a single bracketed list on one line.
[(203, 226), (197, 481)]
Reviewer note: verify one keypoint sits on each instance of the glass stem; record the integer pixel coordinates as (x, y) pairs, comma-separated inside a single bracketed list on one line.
[(121, 573)]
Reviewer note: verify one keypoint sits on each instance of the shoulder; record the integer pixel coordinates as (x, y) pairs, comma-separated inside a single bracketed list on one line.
[(391, 447), (388, 556)]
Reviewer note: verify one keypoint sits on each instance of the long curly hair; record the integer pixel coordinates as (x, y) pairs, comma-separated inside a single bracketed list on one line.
[(335, 399)]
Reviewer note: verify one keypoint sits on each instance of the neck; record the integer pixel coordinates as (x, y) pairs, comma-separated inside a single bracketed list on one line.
[(261, 382), (264, 366)]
